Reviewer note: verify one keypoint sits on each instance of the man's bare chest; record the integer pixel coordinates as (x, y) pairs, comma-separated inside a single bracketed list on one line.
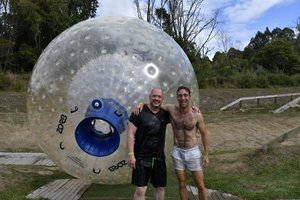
[(183, 122)]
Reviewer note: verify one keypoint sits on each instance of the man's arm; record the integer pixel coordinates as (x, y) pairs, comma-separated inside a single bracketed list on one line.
[(131, 131), (168, 107), (204, 138), (138, 108)]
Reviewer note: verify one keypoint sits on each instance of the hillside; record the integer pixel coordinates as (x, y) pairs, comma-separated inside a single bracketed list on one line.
[(228, 130)]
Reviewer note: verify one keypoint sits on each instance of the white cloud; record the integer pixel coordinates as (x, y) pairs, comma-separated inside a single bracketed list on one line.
[(248, 11), (242, 18), (116, 8), (210, 5)]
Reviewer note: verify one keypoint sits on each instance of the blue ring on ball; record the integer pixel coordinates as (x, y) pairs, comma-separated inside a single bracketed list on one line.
[(95, 142)]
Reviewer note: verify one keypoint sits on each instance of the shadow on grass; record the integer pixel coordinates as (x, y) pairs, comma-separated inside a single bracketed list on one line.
[(125, 191)]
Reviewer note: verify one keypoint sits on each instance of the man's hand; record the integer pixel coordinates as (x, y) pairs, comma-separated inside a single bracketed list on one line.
[(195, 109), (205, 161), (138, 108), (131, 161)]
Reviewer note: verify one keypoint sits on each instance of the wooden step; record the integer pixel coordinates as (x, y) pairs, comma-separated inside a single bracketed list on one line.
[(212, 194), (61, 189)]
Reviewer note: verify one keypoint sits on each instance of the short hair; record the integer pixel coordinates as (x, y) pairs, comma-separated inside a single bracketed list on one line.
[(184, 88), (156, 88)]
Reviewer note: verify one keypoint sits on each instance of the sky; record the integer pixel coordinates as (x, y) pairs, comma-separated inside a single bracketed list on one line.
[(242, 19)]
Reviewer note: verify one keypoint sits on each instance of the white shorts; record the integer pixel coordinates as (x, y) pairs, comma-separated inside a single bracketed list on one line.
[(187, 158)]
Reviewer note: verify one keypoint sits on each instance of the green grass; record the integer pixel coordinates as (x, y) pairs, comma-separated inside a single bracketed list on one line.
[(22, 183), (271, 175)]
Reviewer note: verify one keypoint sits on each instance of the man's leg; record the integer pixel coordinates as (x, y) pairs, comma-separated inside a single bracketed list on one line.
[(159, 193), (198, 179), (139, 193), (182, 184)]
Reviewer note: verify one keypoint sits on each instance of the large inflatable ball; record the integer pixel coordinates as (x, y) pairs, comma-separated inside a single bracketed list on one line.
[(86, 83)]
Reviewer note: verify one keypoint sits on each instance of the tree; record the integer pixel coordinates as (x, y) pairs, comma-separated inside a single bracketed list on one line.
[(6, 44), (297, 41), (279, 56), (260, 39), (224, 41), (80, 10), (286, 33), (183, 21), (298, 25), (4, 19), (33, 24)]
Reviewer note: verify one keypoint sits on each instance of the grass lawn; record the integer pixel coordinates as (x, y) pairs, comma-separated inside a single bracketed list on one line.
[(248, 173), (274, 174)]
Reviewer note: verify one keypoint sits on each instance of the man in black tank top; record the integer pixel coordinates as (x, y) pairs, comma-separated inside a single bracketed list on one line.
[(145, 144)]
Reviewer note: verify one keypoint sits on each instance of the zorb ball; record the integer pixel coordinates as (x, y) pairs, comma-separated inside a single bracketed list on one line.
[(86, 83)]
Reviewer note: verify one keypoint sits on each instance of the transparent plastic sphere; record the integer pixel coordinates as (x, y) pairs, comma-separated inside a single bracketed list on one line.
[(85, 85)]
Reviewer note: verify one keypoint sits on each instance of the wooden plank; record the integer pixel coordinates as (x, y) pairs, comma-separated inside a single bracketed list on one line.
[(45, 190), (69, 189), (257, 98), (58, 194), (59, 190), (290, 104), (62, 189), (51, 192), (44, 161), (79, 190), (192, 196), (8, 158), (212, 194), (41, 191), (195, 192), (220, 195)]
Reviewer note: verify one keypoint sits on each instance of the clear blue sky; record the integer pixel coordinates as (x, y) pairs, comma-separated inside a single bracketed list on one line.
[(242, 18)]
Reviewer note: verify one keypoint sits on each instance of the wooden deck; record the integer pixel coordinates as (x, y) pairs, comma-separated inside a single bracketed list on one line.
[(212, 194), (8, 158), (61, 189)]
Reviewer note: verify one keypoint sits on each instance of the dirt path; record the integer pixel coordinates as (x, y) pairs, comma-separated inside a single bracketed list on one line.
[(249, 133), (253, 132)]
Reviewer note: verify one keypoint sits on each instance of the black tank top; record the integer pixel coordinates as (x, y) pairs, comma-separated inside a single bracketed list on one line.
[(151, 133)]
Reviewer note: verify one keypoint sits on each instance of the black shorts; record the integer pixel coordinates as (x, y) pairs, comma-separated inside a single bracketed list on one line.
[(154, 169)]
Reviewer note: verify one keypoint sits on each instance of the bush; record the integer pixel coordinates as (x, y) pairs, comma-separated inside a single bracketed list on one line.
[(5, 81), (13, 82), (262, 81), (281, 80), (245, 80), (296, 79), (212, 82)]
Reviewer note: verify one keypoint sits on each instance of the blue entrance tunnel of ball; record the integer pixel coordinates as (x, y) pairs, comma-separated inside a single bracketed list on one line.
[(99, 133)]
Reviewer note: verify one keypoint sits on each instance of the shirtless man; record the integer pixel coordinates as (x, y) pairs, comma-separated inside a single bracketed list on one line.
[(186, 154)]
